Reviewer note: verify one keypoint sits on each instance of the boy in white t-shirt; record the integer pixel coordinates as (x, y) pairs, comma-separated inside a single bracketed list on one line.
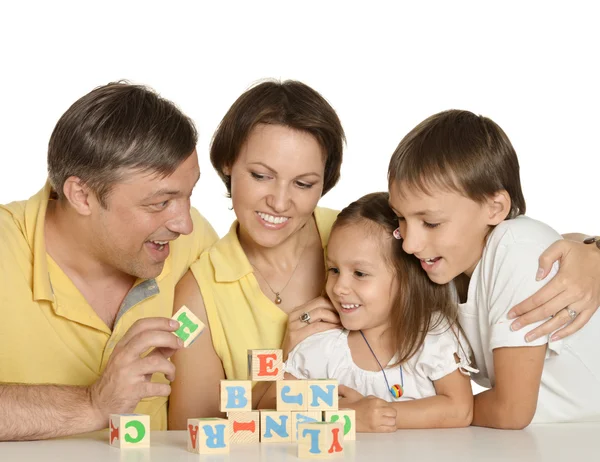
[(455, 187)]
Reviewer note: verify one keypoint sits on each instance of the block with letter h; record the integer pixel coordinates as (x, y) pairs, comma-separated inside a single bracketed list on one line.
[(190, 326), (320, 439), (129, 430), (208, 436)]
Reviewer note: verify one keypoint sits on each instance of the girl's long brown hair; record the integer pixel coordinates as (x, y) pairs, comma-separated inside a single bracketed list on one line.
[(418, 298)]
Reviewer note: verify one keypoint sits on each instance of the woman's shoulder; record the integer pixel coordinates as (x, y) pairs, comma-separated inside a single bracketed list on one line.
[(325, 218)]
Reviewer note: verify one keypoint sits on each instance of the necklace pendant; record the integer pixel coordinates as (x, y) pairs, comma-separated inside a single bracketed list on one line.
[(277, 299), (396, 391)]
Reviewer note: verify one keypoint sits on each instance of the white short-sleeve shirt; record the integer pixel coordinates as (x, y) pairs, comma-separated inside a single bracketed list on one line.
[(326, 355), (505, 276)]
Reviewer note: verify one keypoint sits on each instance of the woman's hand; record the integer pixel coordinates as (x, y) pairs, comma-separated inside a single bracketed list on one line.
[(373, 415), (575, 287), (321, 317)]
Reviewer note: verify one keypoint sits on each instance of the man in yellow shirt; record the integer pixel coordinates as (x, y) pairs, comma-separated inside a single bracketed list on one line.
[(89, 264)]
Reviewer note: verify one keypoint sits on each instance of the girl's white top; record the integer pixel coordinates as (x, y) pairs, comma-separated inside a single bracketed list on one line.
[(326, 355)]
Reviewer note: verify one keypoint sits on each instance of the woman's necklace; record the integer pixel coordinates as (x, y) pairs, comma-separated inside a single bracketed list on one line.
[(277, 293), (396, 390)]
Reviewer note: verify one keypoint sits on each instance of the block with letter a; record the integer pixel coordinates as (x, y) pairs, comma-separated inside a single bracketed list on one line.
[(245, 427), (236, 395), (190, 326), (320, 440), (129, 430), (265, 365), (208, 436), (299, 417)]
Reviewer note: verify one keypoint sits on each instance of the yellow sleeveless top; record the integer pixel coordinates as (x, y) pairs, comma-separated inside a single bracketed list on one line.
[(240, 316)]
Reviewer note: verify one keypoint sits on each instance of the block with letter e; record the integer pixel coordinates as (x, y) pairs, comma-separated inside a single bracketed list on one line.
[(129, 430), (275, 426), (265, 365), (190, 326), (322, 395), (208, 436), (236, 395), (245, 427), (320, 440), (347, 417)]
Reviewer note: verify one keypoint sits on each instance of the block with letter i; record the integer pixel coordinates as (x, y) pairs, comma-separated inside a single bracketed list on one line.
[(323, 395), (245, 427), (129, 430), (275, 426), (292, 395), (236, 395), (300, 417), (320, 440), (347, 417), (190, 326), (265, 365), (208, 436)]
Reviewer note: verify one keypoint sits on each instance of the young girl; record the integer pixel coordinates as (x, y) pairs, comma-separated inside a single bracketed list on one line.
[(399, 343), (454, 185)]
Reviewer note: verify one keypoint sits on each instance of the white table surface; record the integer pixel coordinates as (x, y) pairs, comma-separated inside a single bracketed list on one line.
[(547, 443)]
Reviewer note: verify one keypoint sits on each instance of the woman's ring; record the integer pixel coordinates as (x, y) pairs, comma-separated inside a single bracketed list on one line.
[(305, 317), (572, 313)]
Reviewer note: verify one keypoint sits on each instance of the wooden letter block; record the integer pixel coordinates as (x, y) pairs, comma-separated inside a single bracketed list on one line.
[(191, 327), (129, 430), (208, 436), (292, 395), (322, 395), (245, 427), (265, 365), (347, 417), (275, 427), (299, 417), (320, 439), (236, 395)]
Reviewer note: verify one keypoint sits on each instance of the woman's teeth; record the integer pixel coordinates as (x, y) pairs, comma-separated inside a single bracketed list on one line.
[(350, 306), (272, 219)]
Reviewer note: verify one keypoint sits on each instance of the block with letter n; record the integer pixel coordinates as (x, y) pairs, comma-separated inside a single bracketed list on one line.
[(208, 435), (275, 426), (129, 430), (323, 395), (265, 365), (320, 440), (190, 326)]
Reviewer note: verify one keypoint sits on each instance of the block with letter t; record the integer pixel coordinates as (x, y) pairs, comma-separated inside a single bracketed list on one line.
[(208, 436), (265, 365), (236, 395), (320, 440), (190, 326), (129, 430)]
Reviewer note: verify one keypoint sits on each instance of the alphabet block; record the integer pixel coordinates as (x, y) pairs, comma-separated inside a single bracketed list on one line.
[(191, 327), (129, 431), (322, 395), (236, 395), (299, 417), (320, 439), (275, 426), (208, 436), (245, 427), (292, 395), (265, 365), (347, 417)]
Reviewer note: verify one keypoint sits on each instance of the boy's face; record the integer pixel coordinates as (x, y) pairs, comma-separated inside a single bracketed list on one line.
[(443, 229), (144, 214)]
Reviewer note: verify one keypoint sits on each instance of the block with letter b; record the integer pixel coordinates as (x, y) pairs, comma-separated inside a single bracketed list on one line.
[(347, 417), (236, 395), (320, 439), (265, 365), (292, 395), (129, 430), (323, 395), (208, 436), (275, 426), (190, 326), (245, 427)]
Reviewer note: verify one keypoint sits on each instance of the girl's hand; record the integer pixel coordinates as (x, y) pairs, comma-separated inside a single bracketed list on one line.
[(322, 316), (576, 286), (373, 415)]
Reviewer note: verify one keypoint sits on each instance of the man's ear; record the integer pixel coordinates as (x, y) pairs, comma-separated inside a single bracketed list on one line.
[(78, 195), (498, 207)]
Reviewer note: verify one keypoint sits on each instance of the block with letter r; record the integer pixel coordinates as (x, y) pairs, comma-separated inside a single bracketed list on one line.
[(208, 436)]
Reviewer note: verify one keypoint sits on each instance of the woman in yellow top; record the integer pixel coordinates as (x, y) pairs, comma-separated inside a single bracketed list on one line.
[(279, 150)]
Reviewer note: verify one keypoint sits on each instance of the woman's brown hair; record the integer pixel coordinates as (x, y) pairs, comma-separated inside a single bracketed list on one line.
[(418, 298)]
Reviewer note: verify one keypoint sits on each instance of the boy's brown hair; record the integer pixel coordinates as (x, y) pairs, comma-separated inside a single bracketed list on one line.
[(290, 103), (459, 151), (418, 298)]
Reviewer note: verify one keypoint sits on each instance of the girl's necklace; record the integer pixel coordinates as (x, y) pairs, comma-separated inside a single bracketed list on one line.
[(396, 390)]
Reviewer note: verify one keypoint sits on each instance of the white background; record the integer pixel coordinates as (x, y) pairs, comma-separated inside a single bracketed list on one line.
[(530, 66)]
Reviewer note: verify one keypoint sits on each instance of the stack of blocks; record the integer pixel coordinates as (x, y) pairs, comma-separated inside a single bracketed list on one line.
[(307, 413), (133, 430)]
